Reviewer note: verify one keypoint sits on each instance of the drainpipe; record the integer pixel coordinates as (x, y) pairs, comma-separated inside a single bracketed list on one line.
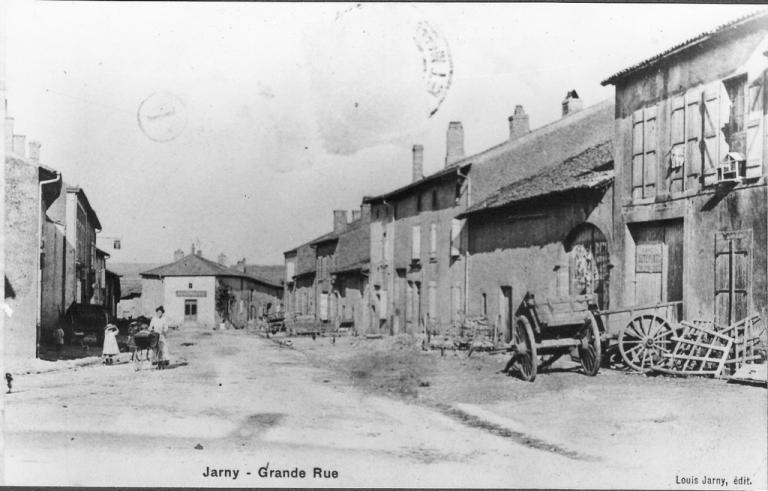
[(466, 249), (39, 310)]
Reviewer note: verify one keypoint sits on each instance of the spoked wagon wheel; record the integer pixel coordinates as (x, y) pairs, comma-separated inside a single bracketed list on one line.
[(644, 340), (590, 352), (525, 349)]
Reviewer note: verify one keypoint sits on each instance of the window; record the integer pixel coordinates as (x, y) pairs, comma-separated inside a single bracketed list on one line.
[(456, 226), (644, 153), (416, 243), (418, 202), (190, 286), (485, 305), (433, 242), (116, 244), (733, 129), (434, 199)]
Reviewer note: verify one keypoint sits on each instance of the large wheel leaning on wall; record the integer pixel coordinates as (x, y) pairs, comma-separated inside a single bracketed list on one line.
[(644, 341)]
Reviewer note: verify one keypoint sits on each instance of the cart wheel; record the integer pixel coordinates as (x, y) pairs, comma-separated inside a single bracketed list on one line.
[(525, 345), (590, 353), (644, 340)]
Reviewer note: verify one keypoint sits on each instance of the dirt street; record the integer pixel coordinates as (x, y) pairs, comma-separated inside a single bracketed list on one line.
[(233, 401)]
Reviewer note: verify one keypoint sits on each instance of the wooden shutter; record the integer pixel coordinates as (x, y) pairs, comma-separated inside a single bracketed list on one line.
[(677, 154), (755, 132), (433, 240), (693, 158), (650, 160), (637, 154), (712, 133), (732, 275), (416, 243), (456, 226), (650, 273), (432, 299)]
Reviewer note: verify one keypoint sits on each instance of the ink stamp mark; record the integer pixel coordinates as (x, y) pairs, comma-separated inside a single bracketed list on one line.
[(162, 116)]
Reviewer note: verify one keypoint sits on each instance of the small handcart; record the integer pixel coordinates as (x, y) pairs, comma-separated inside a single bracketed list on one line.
[(544, 331), (145, 344)]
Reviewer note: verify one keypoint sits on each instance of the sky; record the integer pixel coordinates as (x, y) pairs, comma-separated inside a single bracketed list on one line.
[(242, 126)]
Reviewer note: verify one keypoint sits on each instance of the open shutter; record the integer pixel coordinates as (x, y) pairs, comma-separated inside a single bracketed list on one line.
[(456, 226), (693, 160), (677, 154), (637, 154), (433, 241), (650, 160), (712, 134), (755, 133), (416, 243)]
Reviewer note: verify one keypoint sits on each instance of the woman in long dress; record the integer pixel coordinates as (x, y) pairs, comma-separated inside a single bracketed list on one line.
[(110, 348), (159, 324)]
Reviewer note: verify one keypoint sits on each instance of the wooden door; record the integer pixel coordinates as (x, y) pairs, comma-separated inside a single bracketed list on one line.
[(732, 276)]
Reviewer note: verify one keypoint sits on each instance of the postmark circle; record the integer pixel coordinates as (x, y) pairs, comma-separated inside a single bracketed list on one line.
[(162, 116)]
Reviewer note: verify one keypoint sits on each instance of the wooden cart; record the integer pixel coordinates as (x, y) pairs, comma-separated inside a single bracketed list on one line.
[(544, 331)]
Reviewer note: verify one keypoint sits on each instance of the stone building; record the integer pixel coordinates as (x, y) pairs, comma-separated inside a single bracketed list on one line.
[(690, 194), (30, 190), (326, 278), (199, 292), (540, 212), (417, 273)]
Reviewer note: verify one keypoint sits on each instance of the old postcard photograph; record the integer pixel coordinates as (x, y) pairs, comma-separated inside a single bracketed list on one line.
[(424, 245)]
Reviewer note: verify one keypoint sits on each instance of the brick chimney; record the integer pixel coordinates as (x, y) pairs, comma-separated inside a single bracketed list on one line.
[(572, 103), (339, 220), (355, 215), (8, 134), (418, 162), (20, 145), (518, 123), (454, 144), (177, 255), (34, 152)]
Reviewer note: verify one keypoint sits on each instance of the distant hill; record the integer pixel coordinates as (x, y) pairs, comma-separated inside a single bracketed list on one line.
[(130, 276)]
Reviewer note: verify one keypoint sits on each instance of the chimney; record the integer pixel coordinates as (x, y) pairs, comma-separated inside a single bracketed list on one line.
[(222, 259), (365, 212), (34, 152), (518, 123), (241, 265), (8, 134), (454, 144), (199, 253), (339, 220), (355, 215), (571, 103), (193, 248), (177, 255), (19, 145), (418, 162)]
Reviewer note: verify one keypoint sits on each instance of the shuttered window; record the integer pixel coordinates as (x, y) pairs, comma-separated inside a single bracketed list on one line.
[(714, 148), (693, 159), (676, 173), (755, 130), (416, 243), (433, 241), (456, 226), (644, 153)]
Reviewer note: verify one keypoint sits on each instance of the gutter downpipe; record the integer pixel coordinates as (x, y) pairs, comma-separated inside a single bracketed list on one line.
[(466, 249), (39, 310), (390, 271)]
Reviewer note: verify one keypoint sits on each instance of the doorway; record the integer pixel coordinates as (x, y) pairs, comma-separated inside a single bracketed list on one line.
[(506, 313), (658, 268), (190, 310)]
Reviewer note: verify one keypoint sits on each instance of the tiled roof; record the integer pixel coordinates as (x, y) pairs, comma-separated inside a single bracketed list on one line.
[(588, 170), (685, 45), (544, 147), (450, 170), (353, 249), (193, 265), (270, 274)]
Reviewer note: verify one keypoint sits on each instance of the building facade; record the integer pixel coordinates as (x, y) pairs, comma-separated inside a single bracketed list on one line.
[(195, 291), (691, 198), (418, 276), (30, 189)]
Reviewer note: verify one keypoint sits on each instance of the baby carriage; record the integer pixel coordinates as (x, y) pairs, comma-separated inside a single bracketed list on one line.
[(145, 343)]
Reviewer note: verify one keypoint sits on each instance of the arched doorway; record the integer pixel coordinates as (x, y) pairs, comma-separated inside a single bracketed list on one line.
[(588, 262)]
